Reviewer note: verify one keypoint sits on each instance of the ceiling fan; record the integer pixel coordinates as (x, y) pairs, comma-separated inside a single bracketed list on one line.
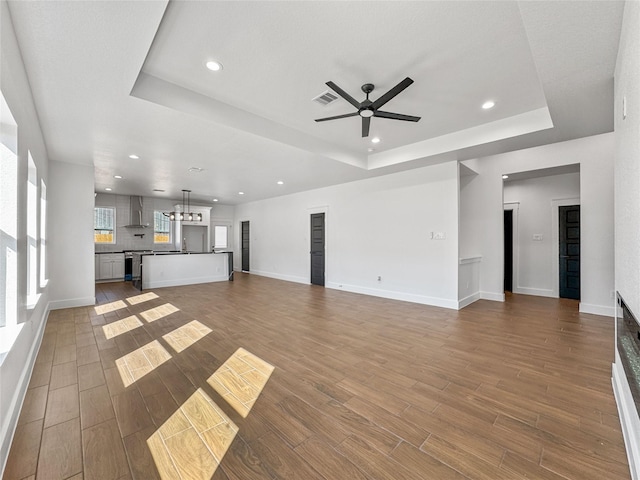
[(368, 108)]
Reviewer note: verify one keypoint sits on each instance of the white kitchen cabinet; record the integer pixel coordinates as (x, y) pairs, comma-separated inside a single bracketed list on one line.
[(110, 266)]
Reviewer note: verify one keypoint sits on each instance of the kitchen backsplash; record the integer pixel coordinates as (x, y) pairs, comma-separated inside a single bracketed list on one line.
[(125, 237)]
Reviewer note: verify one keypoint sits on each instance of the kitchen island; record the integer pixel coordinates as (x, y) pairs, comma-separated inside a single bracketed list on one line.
[(170, 269)]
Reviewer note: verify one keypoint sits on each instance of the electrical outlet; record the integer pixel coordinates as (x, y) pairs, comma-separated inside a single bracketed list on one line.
[(438, 235)]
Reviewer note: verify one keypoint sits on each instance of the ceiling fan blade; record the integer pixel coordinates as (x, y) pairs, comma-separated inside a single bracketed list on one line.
[(391, 93), (343, 94), (395, 116), (366, 123), (354, 114)]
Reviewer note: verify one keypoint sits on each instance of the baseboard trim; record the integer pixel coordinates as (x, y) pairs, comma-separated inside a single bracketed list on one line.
[(468, 300), (598, 309), (17, 401), (538, 292), (71, 303), (629, 420), (496, 297), (280, 276), (393, 295)]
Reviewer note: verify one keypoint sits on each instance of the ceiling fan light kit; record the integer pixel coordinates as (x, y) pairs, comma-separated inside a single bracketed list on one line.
[(367, 108)]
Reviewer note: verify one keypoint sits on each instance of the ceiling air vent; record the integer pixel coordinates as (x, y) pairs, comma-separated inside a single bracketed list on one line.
[(325, 98)]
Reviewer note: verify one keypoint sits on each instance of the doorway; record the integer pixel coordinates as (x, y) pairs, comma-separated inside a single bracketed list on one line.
[(194, 238), (244, 245), (569, 251), (317, 249), (508, 250)]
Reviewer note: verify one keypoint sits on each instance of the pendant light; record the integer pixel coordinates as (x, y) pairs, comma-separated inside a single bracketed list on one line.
[(186, 213)]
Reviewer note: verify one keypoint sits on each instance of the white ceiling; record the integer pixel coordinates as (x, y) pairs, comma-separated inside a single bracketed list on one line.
[(111, 78), (541, 172)]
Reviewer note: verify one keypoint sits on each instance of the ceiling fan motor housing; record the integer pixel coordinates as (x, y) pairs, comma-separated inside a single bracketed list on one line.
[(368, 88), (367, 109)]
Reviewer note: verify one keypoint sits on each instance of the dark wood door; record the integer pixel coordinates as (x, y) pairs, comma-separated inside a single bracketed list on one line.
[(317, 249), (244, 247), (569, 251), (508, 250)]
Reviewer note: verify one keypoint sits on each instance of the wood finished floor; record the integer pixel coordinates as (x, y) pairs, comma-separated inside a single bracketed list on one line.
[(363, 387)]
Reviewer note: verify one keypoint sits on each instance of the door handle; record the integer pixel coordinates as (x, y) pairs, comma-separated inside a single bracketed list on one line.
[(564, 256)]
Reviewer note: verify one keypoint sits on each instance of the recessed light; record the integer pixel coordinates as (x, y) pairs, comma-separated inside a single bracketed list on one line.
[(117, 176), (195, 169), (240, 193), (108, 189), (158, 190), (280, 182), (488, 104), (504, 177), (214, 200), (214, 66), (134, 156), (375, 140)]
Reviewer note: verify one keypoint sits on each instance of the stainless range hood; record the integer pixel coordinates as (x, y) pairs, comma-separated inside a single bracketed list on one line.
[(135, 210)]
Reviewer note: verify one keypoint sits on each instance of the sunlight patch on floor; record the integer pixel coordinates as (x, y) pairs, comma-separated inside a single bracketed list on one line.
[(193, 441), (135, 365), (121, 326), (240, 380), (144, 297), (110, 307), (185, 336), (159, 312)]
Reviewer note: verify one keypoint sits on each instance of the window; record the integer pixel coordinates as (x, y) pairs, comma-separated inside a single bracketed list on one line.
[(32, 232), (43, 234), (103, 224), (8, 219), (220, 236), (9, 326), (161, 228)]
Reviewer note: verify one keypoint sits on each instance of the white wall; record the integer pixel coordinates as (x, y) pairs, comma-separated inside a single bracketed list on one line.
[(595, 156), (72, 267), (15, 367), (375, 227), (537, 199), (223, 215), (627, 209), (627, 164), (469, 244)]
